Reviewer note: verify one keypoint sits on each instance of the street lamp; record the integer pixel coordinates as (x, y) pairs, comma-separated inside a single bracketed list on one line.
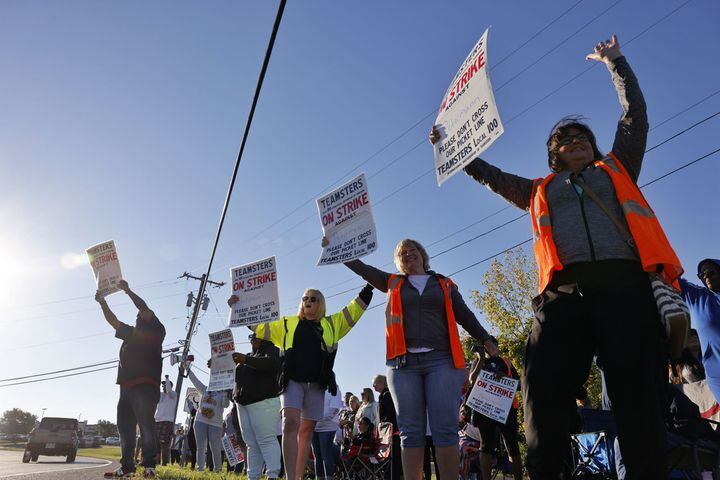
[(43, 413)]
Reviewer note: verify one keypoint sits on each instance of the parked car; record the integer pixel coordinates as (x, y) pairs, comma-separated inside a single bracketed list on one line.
[(53, 436), (114, 441)]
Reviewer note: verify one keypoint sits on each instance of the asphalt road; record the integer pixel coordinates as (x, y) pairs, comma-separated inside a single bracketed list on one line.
[(51, 468)]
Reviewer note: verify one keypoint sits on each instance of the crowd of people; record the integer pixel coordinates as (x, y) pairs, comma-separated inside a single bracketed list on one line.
[(598, 246)]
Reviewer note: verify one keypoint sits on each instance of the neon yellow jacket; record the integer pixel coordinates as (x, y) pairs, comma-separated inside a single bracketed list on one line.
[(334, 327)]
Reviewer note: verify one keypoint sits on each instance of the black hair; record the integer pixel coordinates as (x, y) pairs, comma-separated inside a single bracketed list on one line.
[(561, 129)]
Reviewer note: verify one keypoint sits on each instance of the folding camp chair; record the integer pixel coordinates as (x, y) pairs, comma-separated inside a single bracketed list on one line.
[(372, 467), (593, 456)]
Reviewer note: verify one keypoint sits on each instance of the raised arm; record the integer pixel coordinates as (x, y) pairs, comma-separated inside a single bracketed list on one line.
[(196, 381), (514, 189), (345, 319), (374, 276), (109, 315), (139, 302), (632, 130)]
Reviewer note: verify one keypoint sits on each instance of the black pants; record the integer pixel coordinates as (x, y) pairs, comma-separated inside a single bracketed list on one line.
[(136, 408), (605, 308)]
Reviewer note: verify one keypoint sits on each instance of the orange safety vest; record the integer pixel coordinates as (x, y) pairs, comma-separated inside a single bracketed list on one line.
[(394, 331), (651, 243)]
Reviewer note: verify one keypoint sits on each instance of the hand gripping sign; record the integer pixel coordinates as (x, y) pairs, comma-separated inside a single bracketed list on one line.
[(468, 120), (106, 267), (493, 397), (256, 287), (222, 368), (347, 222)]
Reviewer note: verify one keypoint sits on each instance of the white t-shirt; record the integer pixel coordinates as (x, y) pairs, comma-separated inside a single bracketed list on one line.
[(331, 417), (212, 403), (165, 411), (419, 282)]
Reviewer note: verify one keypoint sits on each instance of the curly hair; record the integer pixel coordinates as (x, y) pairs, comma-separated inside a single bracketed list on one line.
[(561, 129)]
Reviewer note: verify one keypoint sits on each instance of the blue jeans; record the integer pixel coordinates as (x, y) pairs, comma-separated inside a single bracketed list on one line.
[(136, 408), (427, 389), (325, 452), (259, 423), (205, 432)]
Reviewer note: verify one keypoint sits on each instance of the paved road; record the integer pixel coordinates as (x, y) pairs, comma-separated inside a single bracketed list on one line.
[(51, 468)]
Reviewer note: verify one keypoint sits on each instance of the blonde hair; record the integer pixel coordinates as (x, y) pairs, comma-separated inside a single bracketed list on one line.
[(409, 241), (311, 292)]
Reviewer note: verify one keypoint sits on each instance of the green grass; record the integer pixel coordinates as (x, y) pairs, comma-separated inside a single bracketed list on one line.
[(176, 473), (105, 452)]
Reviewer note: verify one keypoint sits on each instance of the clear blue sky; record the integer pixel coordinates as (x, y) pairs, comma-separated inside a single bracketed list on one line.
[(121, 120)]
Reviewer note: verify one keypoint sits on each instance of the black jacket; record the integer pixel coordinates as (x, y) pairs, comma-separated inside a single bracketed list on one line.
[(140, 353), (256, 380), (386, 410)]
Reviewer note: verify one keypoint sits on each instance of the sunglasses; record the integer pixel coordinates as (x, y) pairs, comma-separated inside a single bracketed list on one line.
[(704, 274), (310, 299), (568, 139)]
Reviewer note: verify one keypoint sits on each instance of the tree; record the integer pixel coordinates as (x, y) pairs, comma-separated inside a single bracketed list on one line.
[(505, 299), (107, 428), (17, 421)]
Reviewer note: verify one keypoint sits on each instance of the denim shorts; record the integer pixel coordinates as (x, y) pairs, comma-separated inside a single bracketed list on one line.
[(427, 389), (309, 398)]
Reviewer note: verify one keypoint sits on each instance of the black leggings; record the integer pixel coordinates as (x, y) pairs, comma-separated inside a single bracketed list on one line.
[(605, 308), (489, 428)]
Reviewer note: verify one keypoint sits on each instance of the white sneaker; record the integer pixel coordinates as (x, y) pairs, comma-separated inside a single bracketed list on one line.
[(119, 473)]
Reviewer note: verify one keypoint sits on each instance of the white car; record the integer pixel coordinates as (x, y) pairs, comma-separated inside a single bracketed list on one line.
[(115, 441)]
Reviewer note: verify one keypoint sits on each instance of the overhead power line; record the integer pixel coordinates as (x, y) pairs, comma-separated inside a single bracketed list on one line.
[(55, 378), (398, 137), (59, 371), (523, 112)]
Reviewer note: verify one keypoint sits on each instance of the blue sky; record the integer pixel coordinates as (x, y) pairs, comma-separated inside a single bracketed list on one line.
[(122, 120)]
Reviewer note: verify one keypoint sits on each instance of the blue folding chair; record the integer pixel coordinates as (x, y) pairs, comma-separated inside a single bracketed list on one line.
[(593, 456)]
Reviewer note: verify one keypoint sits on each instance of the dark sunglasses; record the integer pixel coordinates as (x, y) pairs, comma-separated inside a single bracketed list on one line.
[(311, 299), (568, 139), (704, 274)]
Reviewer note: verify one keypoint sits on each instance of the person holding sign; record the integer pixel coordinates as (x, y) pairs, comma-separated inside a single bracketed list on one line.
[(424, 355), (256, 399), (138, 375), (208, 422), (309, 342), (487, 427), (595, 241)]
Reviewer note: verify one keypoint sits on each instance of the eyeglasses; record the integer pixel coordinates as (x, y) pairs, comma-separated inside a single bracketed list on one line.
[(310, 299), (704, 274), (568, 139)]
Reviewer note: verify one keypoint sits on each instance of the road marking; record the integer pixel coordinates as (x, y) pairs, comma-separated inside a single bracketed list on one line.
[(59, 471)]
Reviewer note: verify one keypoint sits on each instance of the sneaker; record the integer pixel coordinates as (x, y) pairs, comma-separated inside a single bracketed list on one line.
[(149, 473), (119, 473)]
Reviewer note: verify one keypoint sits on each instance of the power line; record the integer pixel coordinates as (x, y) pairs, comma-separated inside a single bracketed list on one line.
[(525, 214), (59, 371), (561, 43), (54, 315), (55, 378), (394, 140), (159, 283), (430, 171), (56, 341)]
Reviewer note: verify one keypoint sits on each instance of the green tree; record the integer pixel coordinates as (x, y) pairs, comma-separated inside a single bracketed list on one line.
[(17, 421), (107, 428), (505, 299)]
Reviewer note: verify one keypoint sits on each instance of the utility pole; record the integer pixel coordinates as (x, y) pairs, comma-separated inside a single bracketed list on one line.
[(198, 302)]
